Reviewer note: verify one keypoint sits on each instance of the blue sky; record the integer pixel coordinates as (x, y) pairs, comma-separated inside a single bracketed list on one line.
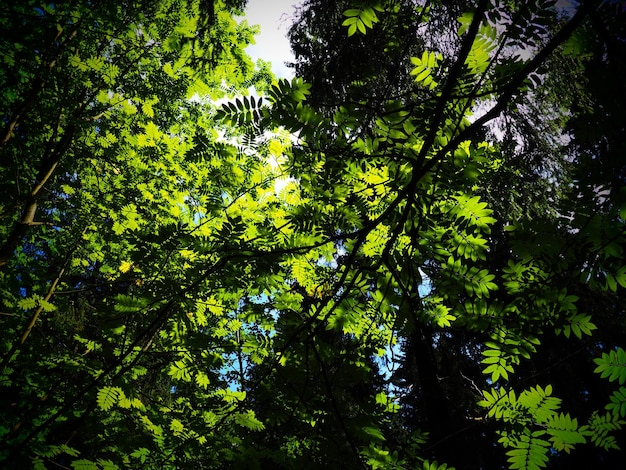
[(274, 17)]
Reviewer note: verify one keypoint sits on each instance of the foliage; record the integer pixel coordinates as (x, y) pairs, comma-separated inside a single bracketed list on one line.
[(335, 271)]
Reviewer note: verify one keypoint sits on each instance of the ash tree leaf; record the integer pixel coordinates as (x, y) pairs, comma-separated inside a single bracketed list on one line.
[(612, 365), (108, 397), (84, 464)]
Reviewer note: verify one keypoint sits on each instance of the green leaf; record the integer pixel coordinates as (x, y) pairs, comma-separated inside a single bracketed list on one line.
[(84, 464), (129, 304), (612, 365), (530, 453), (107, 464), (179, 370), (248, 420), (373, 433), (465, 19), (564, 432), (620, 276), (142, 454), (108, 397), (617, 403)]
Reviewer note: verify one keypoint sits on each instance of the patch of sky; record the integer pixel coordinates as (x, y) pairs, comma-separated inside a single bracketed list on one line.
[(271, 44)]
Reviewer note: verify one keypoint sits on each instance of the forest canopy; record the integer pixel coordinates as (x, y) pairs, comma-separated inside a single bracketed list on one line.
[(411, 255)]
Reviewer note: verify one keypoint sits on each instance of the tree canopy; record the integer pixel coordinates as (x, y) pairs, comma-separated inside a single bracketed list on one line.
[(411, 255)]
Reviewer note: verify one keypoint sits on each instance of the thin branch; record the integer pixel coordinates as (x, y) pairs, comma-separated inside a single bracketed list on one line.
[(33, 320)]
